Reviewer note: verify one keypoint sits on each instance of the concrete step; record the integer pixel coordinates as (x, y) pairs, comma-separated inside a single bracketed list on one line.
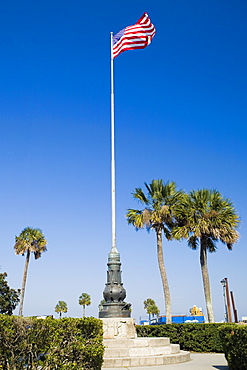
[(180, 357), (147, 351), (136, 342), (141, 351)]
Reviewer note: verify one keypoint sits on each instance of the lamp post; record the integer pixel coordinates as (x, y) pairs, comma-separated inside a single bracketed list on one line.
[(223, 283)]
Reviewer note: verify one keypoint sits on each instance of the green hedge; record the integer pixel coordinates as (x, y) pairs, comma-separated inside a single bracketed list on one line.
[(234, 341), (191, 337), (65, 344)]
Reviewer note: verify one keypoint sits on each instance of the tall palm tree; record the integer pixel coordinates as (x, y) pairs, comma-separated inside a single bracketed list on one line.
[(29, 240), (84, 300), (157, 215), (204, 218)]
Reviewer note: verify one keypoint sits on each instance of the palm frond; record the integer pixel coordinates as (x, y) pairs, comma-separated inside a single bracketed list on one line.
[(167, 233), (193, 242), (30, 239), (160, 200), (180, 232), (211, 245), (138, 194), (207, 212), (135, 217)]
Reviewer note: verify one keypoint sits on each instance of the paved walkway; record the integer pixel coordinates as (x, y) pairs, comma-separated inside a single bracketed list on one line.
[(198, 361)]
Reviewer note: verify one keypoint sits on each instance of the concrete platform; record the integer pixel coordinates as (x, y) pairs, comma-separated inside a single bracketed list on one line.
[(198, 361), (122, 353)]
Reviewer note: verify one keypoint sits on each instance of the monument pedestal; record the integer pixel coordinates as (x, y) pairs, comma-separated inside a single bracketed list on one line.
[(119, 327), (123, 348)]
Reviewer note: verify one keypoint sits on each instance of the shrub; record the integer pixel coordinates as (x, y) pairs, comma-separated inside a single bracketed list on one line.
[(167, 330), (66, 344), (14, 343), (191, 337), (234, 342)]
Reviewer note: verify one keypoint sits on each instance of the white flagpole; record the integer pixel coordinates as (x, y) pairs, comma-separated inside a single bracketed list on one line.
[(113, 187)]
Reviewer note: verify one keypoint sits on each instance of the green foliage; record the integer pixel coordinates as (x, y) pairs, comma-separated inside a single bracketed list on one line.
[(76, 344), (9, 298), (66, 344), (61, 307), (100, 305), (168, 330), (29, 240), (21, 342), (157, 215), (206, 213), (191, 337), (150, 307), (84, 300), (32, 240), (205, 217), (159, 203), (234, 342)]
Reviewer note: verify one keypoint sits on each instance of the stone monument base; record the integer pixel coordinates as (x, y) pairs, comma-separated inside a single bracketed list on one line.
[(142, 352), (124, 349), (119, 327)]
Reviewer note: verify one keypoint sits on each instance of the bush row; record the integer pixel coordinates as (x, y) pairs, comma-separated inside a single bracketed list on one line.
[(191, 337), (234, 342), (64, 344)]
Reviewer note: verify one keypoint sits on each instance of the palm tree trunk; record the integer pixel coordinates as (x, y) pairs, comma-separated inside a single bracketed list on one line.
[(24, 279), (164, 276), (205, 279), (83, 310)]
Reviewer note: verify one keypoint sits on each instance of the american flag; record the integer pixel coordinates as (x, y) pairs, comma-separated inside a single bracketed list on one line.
[(137, 36)]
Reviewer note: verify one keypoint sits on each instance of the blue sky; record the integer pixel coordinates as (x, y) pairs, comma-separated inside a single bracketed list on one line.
[(180, 110)]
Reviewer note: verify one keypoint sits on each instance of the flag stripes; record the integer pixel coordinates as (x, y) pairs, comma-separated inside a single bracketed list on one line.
[(137, 36)]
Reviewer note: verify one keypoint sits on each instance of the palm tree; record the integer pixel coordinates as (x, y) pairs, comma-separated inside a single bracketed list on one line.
[(157, 215), (84, 300), (100, 305), (204, 218), (60, 307), (151, 308), (29, 240)]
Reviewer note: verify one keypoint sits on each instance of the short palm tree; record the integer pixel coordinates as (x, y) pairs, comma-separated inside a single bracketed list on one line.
[(204, 218), (151, 308), (100, 305), (61, 307), (29, 240), (84, 300), (157, 215)]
